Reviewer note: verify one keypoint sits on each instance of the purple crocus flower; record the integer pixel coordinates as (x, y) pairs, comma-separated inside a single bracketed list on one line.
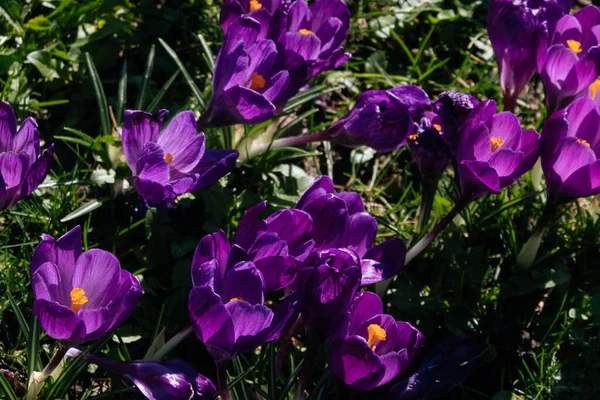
[(381, 119), (571, 64), (493, 151), (80, 296), (453, 109), (327, 283), (340, 221), (271, 14), (171, 163), (172, 379), (430, 152), (517, 30), (251, 82), (570, 149), (22, 169), (372, 348)]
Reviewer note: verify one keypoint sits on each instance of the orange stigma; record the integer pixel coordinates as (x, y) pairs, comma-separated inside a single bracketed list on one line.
[(258, 82), (306, 32), (236, 299), (594, 88), (255, 5), (412, 137), (437, 127), (169, 158), (584, 142), (496, 143), (376, 334), (77, 298), (575, 46)]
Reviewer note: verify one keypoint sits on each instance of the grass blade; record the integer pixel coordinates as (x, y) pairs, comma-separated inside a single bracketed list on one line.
[(33, 360), (139, 104), (20, 318), (7, 17), (100, 96), (7, 389), (207, 53), (188, 78), (162, 92), (84, 209), (122, 93)]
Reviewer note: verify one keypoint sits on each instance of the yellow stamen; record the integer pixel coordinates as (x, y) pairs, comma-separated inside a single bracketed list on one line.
[(496, 143), (169, 158), (306, 32), (594, 88), (255, 5), (575, 46), (584, 142), (77, 298), (376, 334), (437, 127), (236, 299), (258, 82), (412, 137)]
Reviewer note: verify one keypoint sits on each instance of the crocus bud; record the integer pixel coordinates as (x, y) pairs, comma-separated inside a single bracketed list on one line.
[(571, 65), (493, 151), (373, 348), (22, 168), (570, 148), (381, 119), (430, 152), (80, 296), (453, 109), (517, 30)]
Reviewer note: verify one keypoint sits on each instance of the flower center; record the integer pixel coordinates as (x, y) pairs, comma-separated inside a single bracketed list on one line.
[(306, 32), (236, 299), (169, 158), (255, 5), (584, 142), (77, 298), (574, 45), (257, 81), (412, 137), (594, 88), (376, 334), (496, 143), (437, 127)]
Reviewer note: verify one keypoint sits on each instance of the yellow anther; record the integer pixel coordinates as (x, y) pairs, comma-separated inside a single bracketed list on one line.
[(306, 32), (497, 142), (376, 334), (594, 88), (255, 5), (257, 81), (169, 158), (584, 142), (412, 137), (236, 299), (77, 298), (437, 127), (574, 45)]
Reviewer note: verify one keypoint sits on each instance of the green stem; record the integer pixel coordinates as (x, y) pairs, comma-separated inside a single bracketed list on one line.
[(429, 189), (222, 382), (257, 148), (172, 343), (530, 249)]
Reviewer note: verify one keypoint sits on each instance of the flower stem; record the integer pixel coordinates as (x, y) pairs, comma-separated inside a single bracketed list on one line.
[(36, 382), (257, 148), (309, 357), (510, 102), (222, 381), (425, 241), (429, 188), (172, 343), (530, 249), (54, 361), (285, 344)]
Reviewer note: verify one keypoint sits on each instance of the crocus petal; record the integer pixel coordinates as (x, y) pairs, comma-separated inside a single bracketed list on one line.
[(46, 284), (59, 322), (285, 315), (64, 252), (38, 171), (353, 201), (97, 273), (27, 140), (354, 362), (152, 181), (409, 338), (250, 225), (573, 156), (127, 297), (382, 261), (139, 128), (244, 282), (330, 221), (214, 165), (583, 182), (506, 162), (298, 15), (207, 274), (362, 232), (477, 178), (212, 247), (96, 322), (295, 227), (13, 168), (248, 106), (506, 126), (179, 139), (8, 127), (394, 364), (366, 305), (321, 185), (251, 324)]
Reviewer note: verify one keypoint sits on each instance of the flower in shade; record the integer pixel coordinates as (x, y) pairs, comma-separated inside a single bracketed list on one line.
[(570, 151), (340, 221), (271, 14), (427, 146), (381, 119), (226, 304), (316, 33), (22, 169), (453, 109), (372, 348), (173, 379), (80, 296), (518, 30), (171, 163), (571, 64), (251, 82), (493, 151), (327, 283)]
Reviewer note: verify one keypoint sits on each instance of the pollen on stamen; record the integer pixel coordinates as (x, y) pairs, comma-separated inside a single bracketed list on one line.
[(584, 142), (412, 137), (306, 32), (376, 334), (255, 5), (236, 299), (594, 88), (437, 127), (78, 299), (574, 45), (497, 142), (169, 158), (257, 81)]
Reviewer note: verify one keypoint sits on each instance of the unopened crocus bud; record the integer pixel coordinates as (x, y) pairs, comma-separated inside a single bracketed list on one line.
[(430, 152), (453, 109)]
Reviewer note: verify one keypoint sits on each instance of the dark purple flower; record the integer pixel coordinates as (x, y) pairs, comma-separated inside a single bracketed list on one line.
[(316, 33), (327, 283), (571, 64), (517, 30), (22, 169), (252, 78), (372, 349), (430, 152), (260, 10), (80, 296), (173, 379), (340, 221), (381, 119), (174, 162), (453, 109), (570, 151), (493, 151)]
